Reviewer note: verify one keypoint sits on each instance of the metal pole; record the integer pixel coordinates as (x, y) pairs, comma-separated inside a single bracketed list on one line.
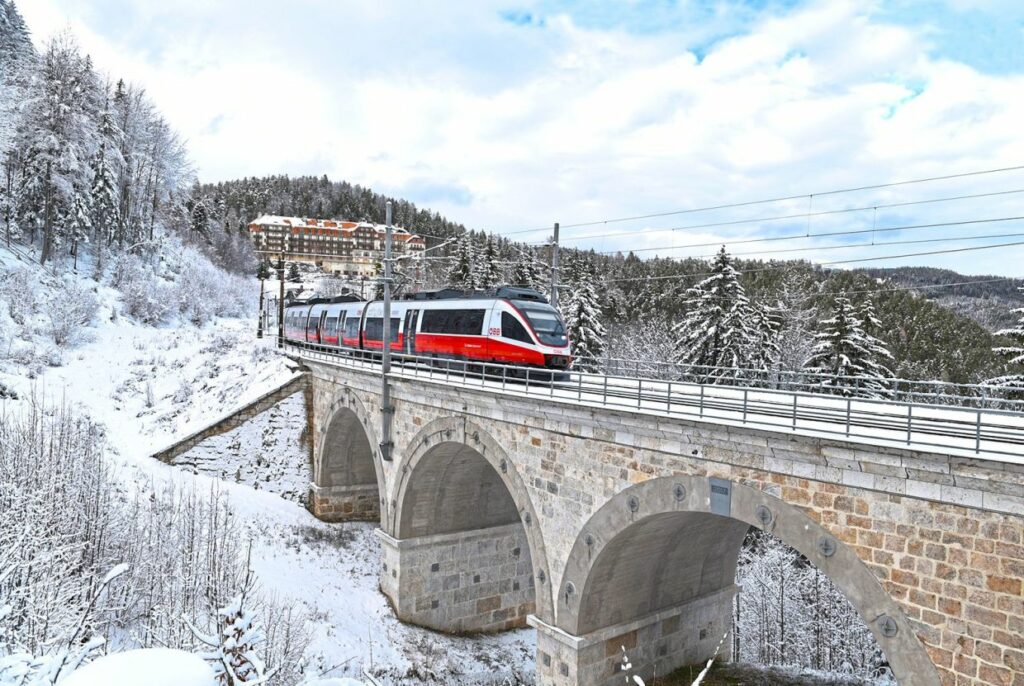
[(262, 315), (554, 268), (387, 410), (280, 302)]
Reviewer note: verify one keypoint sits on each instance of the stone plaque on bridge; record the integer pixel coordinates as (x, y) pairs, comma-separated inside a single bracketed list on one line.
[(721, 497)]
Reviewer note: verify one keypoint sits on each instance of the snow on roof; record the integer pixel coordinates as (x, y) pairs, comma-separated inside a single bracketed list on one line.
[(344, 225)]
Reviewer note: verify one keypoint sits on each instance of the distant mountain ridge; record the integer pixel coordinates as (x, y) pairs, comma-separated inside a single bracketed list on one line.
[(989, 300)]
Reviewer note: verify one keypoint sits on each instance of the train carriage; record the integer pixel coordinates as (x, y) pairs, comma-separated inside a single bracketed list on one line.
[(512, 326)]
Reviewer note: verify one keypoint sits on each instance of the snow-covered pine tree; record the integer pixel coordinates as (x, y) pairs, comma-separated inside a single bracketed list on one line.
[(489, 265), (78, 223), (869, 318), (56, 133), (235, 649), (463, 271), (716, 333), (199, 218), (16, 56), (1014, 354), (293, 273), (765, 350), (581, 309), (527, 270), (852, 361), (104, 188)]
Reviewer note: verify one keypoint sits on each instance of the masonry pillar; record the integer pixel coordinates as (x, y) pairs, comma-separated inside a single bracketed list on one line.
[(358, 503), (463, 582), (658, 644)]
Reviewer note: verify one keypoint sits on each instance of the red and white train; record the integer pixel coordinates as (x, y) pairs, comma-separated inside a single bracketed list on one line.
[(512, 326)]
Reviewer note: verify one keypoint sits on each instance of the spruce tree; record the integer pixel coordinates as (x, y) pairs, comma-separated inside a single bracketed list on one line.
[(293, 273), (852, 361), (581, 309), (526, 271), (1014, 354), (104, 183), (716, 333), (79, 225), (56, 134), (463, 272), (489, 267), (765, 350)]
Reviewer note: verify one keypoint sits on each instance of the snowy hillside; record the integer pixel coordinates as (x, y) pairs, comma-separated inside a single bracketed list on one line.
[(146, 385)]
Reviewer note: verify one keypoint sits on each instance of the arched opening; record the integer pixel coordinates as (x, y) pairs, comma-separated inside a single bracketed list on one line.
[(453, 488), (654, 571), (346, 458), (461, 558), (661, 562), (345, 486)]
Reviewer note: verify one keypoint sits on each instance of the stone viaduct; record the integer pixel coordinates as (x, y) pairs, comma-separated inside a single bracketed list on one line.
[(604, 528)]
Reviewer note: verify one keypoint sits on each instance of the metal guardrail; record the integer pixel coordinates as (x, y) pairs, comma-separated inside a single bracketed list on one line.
[(932, 392), (962, 430)]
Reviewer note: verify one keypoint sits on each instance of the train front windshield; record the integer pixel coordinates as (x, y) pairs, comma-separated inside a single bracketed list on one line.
[(546, 322)]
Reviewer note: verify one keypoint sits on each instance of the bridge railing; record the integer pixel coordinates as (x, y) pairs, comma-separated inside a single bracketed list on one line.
[(927, 392), (997, 433)]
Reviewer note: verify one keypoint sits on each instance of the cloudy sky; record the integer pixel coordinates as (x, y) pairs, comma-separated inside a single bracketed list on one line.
[(510, 115)]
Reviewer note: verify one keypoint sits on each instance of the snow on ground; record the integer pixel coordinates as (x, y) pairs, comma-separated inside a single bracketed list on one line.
[(268, 453), (149, 386), (150, 666)]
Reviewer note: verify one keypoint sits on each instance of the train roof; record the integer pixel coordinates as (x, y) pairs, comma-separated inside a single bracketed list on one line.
[(508, 292)]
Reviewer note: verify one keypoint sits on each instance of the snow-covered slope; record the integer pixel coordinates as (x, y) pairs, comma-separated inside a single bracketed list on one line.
[(149, 385)]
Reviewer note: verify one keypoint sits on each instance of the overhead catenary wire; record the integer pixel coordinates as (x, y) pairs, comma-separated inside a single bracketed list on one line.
[(801, 215), (663, 277), (843, 246), (804, 236), (764, 201)]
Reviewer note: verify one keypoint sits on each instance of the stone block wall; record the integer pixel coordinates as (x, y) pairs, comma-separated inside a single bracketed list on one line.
[(345, 503), (236, 418), (655, 645), (943, 534), (465, 582)]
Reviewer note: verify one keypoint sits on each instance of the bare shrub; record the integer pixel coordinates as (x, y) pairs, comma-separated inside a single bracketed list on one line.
[(65, 521), (18, 287), (70, 310)]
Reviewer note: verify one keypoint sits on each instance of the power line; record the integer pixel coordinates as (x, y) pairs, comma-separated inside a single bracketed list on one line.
[(793, 237), (842, 246), (803, 215), (823, 264), (765, 201)]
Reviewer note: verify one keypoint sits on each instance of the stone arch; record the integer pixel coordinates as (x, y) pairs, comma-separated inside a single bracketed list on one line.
[(348, 481), (454, 476), (660, 544)]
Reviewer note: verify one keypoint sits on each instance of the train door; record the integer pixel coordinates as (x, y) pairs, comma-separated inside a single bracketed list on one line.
[(320, 327), (412, 319)]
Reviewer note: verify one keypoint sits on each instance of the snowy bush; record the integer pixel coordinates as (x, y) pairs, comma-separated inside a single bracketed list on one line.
[(66, 522), (146, 297), (19, 288), (71, 309)]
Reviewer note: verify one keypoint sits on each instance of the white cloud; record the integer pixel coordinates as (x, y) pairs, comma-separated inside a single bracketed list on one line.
[(531, 125)]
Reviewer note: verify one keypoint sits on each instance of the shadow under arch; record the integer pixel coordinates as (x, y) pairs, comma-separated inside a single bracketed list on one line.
[(454, 477), (657, 548), (348, 481)]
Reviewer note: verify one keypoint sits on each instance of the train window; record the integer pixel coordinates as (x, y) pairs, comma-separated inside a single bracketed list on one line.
[(435, 321), (331, 326), (375, 328), (459, 322), (546, 322), (511, 328), (352, 327)]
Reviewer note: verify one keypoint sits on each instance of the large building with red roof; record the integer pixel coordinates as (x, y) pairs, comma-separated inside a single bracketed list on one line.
[(353, 249)]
